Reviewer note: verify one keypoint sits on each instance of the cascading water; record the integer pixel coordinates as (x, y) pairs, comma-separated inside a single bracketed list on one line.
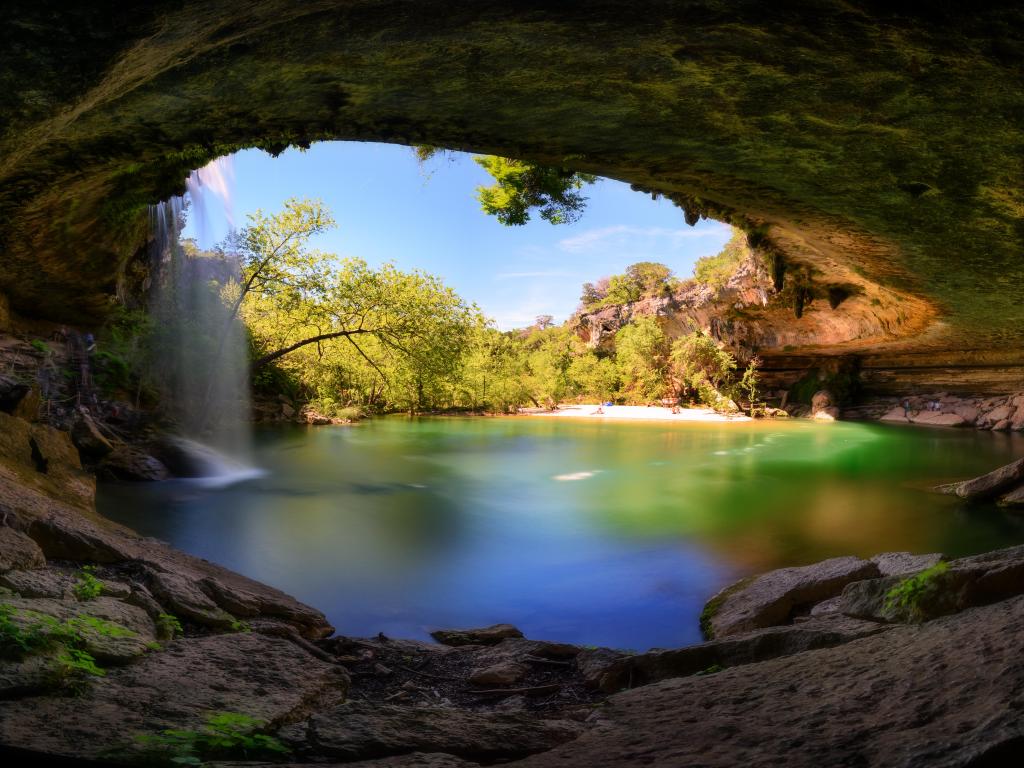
[(201, 356)]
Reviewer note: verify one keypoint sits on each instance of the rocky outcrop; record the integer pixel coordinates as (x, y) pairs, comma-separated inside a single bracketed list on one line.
[(18, 551), (772, 598)]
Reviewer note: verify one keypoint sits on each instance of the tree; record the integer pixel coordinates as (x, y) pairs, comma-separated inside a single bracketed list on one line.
[(650, 276), (544, 322), (716, 270), (642, 350), (401, 331), (520, 186), (700, 365)]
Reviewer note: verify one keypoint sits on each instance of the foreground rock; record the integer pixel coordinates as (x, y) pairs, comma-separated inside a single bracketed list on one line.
[(772, 598), (942, 694), (18, 551), (266, 678), (360, 730)]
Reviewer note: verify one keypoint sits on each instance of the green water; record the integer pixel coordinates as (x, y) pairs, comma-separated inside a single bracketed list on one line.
[(588, 532)]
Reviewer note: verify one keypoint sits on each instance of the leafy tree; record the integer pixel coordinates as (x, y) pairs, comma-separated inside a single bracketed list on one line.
[(650, 276), (716, 270), (642, 352), (544, 322), (520, 186), (622, 289)]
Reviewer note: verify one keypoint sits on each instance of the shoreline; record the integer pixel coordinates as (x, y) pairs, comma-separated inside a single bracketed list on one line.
[(633, 413)]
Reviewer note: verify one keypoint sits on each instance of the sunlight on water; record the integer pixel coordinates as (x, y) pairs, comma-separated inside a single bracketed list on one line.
[(610, 534)]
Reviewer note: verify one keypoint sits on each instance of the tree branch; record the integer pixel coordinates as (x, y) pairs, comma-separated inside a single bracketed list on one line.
[(270, 357)]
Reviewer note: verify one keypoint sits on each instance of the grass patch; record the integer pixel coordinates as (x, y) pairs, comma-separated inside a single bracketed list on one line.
[(224, 735)]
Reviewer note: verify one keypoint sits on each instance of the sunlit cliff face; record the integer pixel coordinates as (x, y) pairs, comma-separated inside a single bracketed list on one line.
[(874, 149)]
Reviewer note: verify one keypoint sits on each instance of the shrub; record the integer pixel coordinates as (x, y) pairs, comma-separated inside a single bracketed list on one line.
[(168, 626), (88, 586)]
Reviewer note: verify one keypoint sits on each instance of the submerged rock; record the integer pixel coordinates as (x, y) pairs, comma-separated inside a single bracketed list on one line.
[(482, 636), (772, 598)]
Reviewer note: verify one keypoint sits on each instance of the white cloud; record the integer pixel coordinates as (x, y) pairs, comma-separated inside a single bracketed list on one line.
[(605, 237)]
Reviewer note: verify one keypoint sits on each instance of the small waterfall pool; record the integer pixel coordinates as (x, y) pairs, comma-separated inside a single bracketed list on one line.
[(593, 533)]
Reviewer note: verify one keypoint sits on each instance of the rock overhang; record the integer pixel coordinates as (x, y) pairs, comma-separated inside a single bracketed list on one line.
[(867, 142)]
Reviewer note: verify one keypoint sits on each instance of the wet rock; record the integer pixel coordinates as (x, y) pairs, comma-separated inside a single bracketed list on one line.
[(936, 419), (824, 406), (1014, 498), (772, 598), (505, 673), (129, 464), (903, 563), (18, 551), (895, 414), (482, 636), (758, 646), (360, 730), (1001, 426), (178, 687), (945, 693), (989, 485)]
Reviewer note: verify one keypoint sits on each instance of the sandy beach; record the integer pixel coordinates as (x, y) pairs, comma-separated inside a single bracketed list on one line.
[(632, 412)]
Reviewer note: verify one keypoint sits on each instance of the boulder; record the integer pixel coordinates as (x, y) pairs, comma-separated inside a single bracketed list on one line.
[(593, 663), (178, 687), (29, 676), (903, 563), (969, 413), (18, 551), (750, 648), (772, 598), (86, 436), (361, 729), (824, 406), (995, 416), (936, 419), (895, 414), (1001, 426), (1014, 498), (482, 636), (1017, 420), (964, 583), (504, 673), (185, 599), (827, 414), (989, 485), (128, 463)]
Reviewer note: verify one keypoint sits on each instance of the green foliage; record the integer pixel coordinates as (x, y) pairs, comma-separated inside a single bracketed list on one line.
[(716, 270), (645, 278), (224, 735), (711, 669), (520, 186), (87, 586), (37, 633), (240, 626), (642, 353), (911, 594), (168, 626), (40, 346)]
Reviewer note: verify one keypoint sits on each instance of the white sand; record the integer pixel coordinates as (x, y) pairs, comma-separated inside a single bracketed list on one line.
[(632, 412)]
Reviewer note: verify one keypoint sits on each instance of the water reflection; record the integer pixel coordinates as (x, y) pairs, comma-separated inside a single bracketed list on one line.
[(612, 534)]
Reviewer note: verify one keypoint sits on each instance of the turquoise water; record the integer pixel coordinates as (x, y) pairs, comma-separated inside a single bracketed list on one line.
[(602, 533)]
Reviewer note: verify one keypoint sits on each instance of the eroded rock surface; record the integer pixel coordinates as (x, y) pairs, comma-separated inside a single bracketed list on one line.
[(772, 598)]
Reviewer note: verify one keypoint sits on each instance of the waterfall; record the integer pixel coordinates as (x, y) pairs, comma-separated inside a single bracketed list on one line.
[(200, 350)]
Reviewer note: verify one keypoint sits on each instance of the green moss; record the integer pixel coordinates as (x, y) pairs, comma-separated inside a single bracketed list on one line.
[(714, 605)]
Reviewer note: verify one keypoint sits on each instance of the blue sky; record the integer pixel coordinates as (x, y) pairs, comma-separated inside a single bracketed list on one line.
[(390, 208)]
